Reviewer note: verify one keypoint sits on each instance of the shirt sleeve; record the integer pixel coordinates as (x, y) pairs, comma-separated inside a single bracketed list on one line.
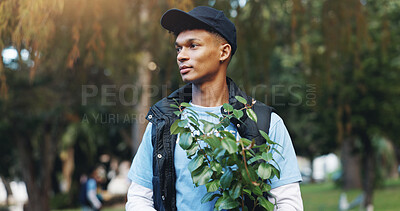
[(141, 171), (287, 198), (139, 198), (286, 161)]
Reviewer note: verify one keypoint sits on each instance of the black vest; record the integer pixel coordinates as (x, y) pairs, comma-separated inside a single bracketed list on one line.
[(161, 116)]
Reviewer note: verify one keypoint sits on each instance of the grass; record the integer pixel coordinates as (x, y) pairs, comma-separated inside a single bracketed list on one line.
[(325, 196), (103, 209)]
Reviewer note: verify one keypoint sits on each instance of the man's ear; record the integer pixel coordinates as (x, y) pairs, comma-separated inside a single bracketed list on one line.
[(225, 50)]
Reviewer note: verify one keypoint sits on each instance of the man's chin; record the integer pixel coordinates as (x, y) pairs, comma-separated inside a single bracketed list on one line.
[(186, 79)]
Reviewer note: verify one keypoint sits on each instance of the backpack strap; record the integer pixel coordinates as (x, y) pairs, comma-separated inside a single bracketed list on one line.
[(263, 113)]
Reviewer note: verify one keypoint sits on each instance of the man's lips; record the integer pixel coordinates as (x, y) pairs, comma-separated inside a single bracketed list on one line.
[(184, 69)]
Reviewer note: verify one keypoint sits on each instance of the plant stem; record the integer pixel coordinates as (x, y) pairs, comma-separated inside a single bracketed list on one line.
[(245, 162), (242, 201)]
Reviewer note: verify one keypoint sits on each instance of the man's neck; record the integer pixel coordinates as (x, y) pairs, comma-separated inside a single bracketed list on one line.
[(210, 94)]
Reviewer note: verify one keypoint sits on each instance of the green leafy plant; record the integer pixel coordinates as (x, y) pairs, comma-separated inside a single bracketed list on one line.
[(229, 169)]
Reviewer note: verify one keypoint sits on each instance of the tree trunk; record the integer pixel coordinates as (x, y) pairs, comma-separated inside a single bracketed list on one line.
[(350, 165), (144, 81), (368, 172), (29, 174), (8, 189), (312, 180), (68, 165), (37, 175)]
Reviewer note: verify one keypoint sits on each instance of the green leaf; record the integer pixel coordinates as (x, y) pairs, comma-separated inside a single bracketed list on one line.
[(241, 99), (228, 135), (209, 197), (264, 134), (245, 177), (235, 190), (252, 115), (238, 114), (208, 151), (219, 127), (202, 175), (212, 114), (254, 159), (253, 173), (177, 113), (229, 145), (278, 152), (196, 128), (265, 203), (217, 203), (212, 186), (216, 167), (248, 193), (174, 105), (193, 120), (183, 123), (213, 141), (192, 150), (174, 127), (192, 113), (190, 109), (267, 156), (264, 170), (277, 173), (185, 140), (228, 107), (225, 122), (186, 105), (226, 179), (269, 141), (208, 127), (228, 203), (195, 163), (246, 141), (218, 153), (265, 187), (256, 190)]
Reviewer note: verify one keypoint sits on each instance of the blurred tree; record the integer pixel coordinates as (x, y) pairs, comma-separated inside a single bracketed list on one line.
[(329, 67), (73, 89), (354, 67), (339, 51), (360, 75)]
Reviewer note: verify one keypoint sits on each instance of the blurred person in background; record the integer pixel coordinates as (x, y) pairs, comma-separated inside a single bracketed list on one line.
[(89, 197)]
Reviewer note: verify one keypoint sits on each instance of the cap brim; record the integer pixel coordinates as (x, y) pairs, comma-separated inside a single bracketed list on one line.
[(177, 21)]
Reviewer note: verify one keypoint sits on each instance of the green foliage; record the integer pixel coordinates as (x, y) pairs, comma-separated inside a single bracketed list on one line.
[(229, 168)]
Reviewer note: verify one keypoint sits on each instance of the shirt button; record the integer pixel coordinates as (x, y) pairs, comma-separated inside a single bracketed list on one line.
[(150, 116), (159, 156), (163, 197), (238, 125)]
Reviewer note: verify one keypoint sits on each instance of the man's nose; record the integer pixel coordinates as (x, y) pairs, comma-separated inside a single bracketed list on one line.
[(182, 55)]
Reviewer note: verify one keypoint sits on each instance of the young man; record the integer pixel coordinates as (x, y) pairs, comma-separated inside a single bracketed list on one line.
[(205, 43)]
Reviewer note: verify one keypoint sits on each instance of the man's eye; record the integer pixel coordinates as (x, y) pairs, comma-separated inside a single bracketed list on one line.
[(193, 45), (178, 49)]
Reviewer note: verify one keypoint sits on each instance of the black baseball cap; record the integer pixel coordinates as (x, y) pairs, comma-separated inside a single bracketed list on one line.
[(201, 17)]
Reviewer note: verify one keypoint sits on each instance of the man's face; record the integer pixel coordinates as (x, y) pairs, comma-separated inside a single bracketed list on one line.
[(198, 55)]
